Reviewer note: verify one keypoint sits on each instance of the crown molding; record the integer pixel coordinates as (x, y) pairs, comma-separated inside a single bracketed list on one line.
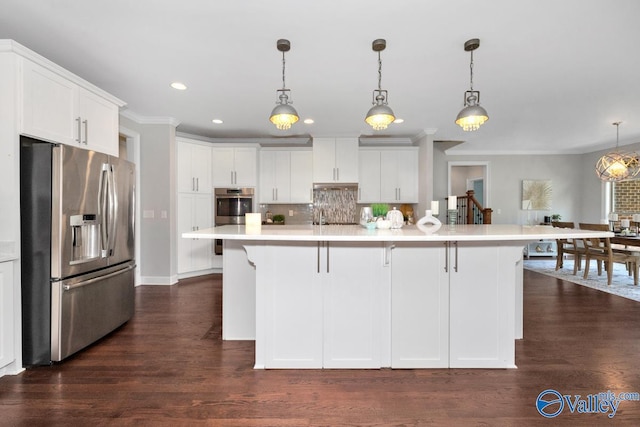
[(145, 120)]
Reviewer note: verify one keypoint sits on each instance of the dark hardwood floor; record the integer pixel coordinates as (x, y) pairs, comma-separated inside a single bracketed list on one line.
[(169, 367)]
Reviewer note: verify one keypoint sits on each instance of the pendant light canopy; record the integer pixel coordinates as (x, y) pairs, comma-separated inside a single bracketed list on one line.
[(617, 165), (380, 115), (283, 115), (472, 115)]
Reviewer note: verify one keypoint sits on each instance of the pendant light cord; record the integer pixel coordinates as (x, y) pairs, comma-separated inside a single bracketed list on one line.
[(379, 72), (283, 65), (471, 70)]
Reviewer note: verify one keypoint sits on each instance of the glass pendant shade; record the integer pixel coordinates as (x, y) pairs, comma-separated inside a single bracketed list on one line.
[(617, 165)]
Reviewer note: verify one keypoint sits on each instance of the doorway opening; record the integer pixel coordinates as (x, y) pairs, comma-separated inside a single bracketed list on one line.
[(469, 175)]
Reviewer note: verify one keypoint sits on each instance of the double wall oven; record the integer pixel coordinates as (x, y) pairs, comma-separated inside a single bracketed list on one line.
[(231, 204)]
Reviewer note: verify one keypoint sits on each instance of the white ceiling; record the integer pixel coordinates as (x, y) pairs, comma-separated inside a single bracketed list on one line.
[(553, 75)]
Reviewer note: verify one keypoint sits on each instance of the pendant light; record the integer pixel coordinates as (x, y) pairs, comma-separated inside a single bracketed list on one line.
[(472, 115), (283, 115), (380, 115), (617, 165)]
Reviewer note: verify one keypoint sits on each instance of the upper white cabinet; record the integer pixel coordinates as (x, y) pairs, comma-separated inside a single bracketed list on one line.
[(335, 160), (286, 176), (388, 175), (57, 109), (194, 167), (234, 167)]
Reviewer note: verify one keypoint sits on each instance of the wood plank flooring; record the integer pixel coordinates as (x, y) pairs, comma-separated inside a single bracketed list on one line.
[(169, 367)]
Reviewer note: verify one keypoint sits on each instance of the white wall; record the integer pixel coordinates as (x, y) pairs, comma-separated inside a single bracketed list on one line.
[(567, 173), (157, 197)]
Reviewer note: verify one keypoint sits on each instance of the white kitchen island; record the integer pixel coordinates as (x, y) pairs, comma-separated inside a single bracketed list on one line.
[(338, 296)]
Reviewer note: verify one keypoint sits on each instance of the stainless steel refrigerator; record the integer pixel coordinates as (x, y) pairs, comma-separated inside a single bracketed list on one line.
[(77, 248)]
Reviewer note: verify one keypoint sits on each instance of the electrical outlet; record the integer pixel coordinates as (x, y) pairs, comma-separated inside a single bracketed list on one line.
[(290, 212), (499, 211)]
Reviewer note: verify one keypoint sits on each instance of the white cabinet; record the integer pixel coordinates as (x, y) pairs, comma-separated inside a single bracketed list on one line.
[(194, 213), (194, 167), (335, 160), (321, 307), (7, 325), (388, 175), (59, 110), (435, 288), (234, 166), (286, 176)]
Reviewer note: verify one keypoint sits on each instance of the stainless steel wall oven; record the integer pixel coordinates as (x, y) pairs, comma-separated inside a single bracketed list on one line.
[(231, 204)]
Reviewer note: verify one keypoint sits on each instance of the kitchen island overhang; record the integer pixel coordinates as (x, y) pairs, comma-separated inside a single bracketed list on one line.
[(348, 297)]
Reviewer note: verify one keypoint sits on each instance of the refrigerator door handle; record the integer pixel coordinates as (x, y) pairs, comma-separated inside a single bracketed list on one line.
[(113, 212), (97, 279), (103, 206)]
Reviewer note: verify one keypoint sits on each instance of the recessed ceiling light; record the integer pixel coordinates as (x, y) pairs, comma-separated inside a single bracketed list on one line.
[(308, 121), (398, 121), (179, 86), (217, 121)]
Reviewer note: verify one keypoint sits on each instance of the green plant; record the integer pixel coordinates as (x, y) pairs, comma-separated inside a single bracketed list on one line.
[(278, 218), (556, 217), (379, 209)]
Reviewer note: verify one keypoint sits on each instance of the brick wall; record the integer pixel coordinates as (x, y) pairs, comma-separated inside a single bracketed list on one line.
[(627, 198)]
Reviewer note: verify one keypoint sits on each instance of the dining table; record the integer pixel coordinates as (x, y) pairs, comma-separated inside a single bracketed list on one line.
[(629, 241)]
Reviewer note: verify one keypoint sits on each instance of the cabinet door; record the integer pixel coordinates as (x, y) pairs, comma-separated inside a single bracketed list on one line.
[(353, 291), (407, 176), (324, 159), (99, 123), (482, 325), (292, 304), (245, 167), (184, 224), (49, 109), (194, 168), (201, 168), (369, 176), (194, 213), (267, 176), (222, 167), (7, 330), (347, 159), (201, 249), (301, 177), (419, 306), (389, 177)]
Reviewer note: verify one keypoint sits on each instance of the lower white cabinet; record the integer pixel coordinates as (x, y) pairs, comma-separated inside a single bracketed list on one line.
[(321, 306), (7, 328), (194, 213), (446, 293)]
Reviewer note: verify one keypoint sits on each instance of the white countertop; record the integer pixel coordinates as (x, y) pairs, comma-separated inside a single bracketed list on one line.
[(408, 233)]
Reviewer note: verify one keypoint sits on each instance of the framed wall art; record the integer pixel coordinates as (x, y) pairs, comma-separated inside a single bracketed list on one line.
[(536, 195)]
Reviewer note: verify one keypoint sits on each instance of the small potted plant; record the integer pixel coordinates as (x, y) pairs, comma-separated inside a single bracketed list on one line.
[(278, 219), (379, 210), (556, 217)]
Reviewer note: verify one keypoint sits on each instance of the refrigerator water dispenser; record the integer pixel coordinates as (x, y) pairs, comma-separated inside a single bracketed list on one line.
[(85, 236)]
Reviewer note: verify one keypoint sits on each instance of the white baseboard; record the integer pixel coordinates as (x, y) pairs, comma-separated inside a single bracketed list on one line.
[(158, 280)]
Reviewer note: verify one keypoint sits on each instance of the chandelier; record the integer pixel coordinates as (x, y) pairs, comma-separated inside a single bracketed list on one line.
[(472, 116), (617, 165), (380, 115), (283, 115)]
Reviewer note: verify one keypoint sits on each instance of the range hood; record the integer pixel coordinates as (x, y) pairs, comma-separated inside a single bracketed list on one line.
[(336, 186)]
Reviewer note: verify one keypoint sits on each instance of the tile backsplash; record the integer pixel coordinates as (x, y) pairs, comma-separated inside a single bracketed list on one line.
[(337, 206)]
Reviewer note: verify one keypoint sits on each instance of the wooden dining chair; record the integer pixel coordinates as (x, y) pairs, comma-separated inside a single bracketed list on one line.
[(599, 249), (574, 247)]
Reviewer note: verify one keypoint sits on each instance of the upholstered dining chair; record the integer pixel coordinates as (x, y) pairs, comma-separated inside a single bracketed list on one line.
[(600, 250), (574, 247)]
